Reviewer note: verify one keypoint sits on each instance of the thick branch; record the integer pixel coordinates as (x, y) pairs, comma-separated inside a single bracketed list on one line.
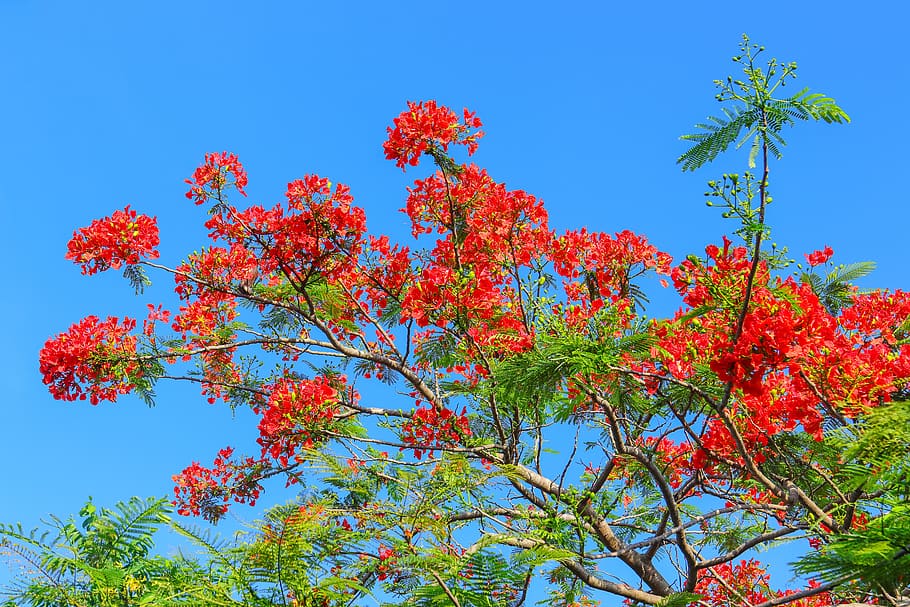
[(586, 577), (659, 479), (604, 533)]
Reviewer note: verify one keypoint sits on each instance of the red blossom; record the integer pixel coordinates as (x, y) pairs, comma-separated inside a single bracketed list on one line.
[(208, 491), (674, 457), (154, 315), (425, 126), (390, 272), (92, 359), (123, 238), (433, 427), (598, 269), (748, 583), (817, 258), (387, 559), (784, 354), (319, 231), (296, 414), (219, 171)]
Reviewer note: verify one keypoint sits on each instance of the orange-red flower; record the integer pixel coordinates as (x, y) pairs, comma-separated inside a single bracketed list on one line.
[(218, 172), (123, 238), (93, 359), (426, 125)]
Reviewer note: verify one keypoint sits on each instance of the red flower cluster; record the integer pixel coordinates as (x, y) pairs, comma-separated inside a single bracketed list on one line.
[(869, 363), (598, 269), (434, 427), (426, 125), (470, 280), (212, 177), (155, 314), (747, 583), (319, 231), (390, 269), (296, 414), (609, 257), (786, 356), (817, 258), (675, 457), (874, 317), (92, 359), (209, 309), (122, 238), (387, 559), (207, 491)]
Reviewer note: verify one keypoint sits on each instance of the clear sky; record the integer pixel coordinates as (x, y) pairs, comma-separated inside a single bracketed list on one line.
[(108, 103)]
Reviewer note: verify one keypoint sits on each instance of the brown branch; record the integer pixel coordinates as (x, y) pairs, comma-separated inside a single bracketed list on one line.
[(445, 588), (659, 479), (759, 539), (586, 577), (783, 600), (591, 580), (602, 530), (749, 463), (756, 255), (597, 485)]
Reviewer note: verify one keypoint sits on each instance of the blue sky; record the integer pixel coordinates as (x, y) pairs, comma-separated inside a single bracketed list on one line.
[(105, 104)]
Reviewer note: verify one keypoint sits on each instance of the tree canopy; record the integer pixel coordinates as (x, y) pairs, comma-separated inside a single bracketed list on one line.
[(488, 412)]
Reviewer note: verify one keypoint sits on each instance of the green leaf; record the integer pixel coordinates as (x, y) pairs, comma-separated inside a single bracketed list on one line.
[(754, 150), (679, 599), (716, 138)]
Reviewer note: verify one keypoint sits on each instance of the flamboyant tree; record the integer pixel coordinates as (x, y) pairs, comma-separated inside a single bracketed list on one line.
[(487, 407)]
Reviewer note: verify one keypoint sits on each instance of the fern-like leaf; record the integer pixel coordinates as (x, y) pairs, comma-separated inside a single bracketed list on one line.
[(876, 557), (716, 138), (835, 290), (818, 106)]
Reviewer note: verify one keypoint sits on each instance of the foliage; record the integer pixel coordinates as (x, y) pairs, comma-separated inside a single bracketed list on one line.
[(756, 111), (104, 559), (488, 407)]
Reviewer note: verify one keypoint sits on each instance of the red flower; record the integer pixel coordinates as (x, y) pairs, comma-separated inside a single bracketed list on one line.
[(387, 560), (748, 583), (92, 359), (434, 427), (155, 314), (426, 126), (817, 258), (295, 414), (211, 178), (207, 491), (122, 238)]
